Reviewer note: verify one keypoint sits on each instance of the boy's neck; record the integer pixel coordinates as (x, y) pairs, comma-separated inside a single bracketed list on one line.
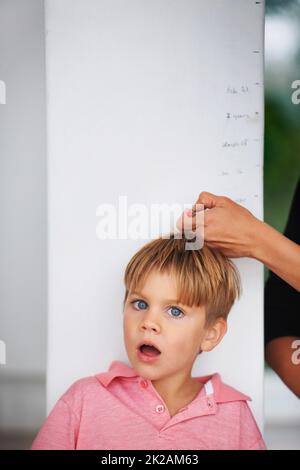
[(176, 397)]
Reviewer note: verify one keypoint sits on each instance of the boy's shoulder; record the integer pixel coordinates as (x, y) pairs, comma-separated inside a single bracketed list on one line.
[(94, 383), (223, 393), (234, 405), (84, 383), (80, 388)]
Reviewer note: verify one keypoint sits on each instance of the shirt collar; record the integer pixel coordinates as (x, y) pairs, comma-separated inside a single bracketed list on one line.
[(222, 392)]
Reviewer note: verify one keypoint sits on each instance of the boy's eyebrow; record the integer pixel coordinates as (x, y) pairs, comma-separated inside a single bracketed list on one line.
[(175, 301)]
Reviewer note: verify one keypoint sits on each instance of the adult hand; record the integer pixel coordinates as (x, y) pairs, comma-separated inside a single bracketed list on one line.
[(233, 230), (228, 226)]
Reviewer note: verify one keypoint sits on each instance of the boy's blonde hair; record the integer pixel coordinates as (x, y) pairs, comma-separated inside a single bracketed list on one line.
[(204, 277)]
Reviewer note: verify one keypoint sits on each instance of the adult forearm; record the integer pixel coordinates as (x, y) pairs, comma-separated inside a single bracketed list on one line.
[(278, 253)]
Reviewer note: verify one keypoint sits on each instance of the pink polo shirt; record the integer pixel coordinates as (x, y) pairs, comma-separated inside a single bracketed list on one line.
[(120, 410)]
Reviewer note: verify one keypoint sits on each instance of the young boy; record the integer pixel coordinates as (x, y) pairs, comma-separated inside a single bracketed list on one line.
[(176, 306)]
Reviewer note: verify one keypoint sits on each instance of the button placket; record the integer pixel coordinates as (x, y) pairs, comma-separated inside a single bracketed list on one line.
[(210, 403), (159, 408), (144, 383)]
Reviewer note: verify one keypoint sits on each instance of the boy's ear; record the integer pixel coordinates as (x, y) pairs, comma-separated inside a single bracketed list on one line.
[(213, 334)]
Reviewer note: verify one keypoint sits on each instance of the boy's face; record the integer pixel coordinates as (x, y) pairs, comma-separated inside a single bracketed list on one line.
[(178, 331)]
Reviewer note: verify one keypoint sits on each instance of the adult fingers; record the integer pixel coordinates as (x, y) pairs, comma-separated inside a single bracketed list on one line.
[(209, 200)]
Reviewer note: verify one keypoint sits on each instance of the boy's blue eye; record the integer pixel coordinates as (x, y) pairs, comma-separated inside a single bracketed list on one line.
[(141, 304), (176, 311)]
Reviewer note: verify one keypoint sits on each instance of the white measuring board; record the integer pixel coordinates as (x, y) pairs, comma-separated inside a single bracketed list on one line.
[(154, 101)]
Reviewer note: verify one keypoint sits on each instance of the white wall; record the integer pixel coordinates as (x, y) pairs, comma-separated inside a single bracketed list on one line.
[(23, 233), (137, 99)]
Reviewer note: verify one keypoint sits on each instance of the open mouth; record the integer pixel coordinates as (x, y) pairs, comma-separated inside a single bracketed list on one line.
[(149, 350)]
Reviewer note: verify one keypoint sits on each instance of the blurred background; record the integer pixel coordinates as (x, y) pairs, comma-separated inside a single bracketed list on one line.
[(23, 215), (23, 189), (281, 173)]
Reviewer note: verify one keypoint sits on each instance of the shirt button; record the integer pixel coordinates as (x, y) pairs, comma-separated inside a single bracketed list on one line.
[(144, 384), (209, 404), (160, 409)]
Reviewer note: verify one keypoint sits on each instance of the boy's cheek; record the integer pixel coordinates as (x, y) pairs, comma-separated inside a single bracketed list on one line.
[(129, 329)]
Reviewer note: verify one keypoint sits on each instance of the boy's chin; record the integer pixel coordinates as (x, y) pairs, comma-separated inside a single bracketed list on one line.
[(147, 371)]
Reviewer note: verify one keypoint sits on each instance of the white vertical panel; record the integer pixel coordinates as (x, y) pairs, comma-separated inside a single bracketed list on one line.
[(154, 100)]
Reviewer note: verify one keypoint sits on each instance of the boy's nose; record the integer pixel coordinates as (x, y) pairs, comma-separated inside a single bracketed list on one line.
[(150, 326), (150, 321)]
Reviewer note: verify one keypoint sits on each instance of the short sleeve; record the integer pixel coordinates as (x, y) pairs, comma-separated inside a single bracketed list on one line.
[(250, 436), (59, 431)]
